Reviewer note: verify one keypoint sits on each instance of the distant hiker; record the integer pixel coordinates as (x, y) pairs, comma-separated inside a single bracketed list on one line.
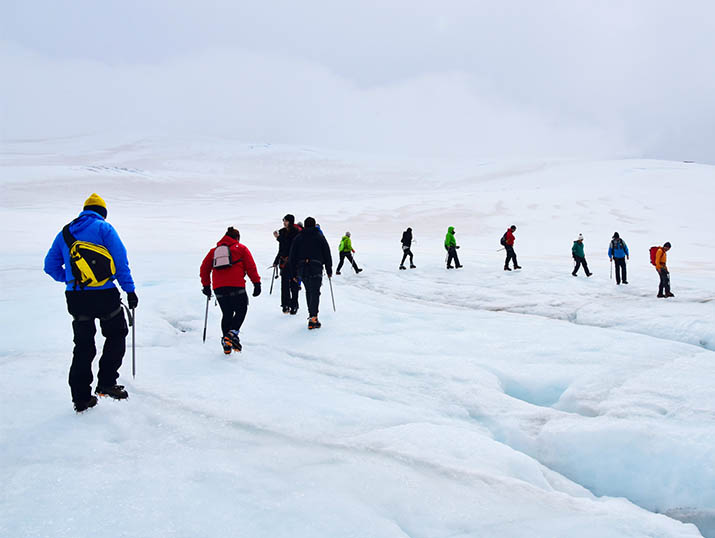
[(308, 254), (618, 252), (289, 287), (406, 248), (345, 249), (661, 257), (226, 266), (579, 256), (450, 245), (508, 241), (98, 257)]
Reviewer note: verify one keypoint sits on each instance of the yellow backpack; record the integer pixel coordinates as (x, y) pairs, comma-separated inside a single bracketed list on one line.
[(91, 264)]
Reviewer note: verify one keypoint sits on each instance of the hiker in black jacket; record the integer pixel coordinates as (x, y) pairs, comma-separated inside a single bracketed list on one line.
[(289, 286), (308, 254), (406, 248)]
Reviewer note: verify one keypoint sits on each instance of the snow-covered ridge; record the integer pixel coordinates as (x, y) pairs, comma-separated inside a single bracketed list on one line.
[(432, 403)]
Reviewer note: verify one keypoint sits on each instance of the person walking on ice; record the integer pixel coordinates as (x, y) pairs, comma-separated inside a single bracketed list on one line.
[(618, 252), (88, 256), (661, 257), (508, 241), (309, 253), (346, 250), (579, 256), (450, 245), (289, 287), (225, 267), (406, 249)]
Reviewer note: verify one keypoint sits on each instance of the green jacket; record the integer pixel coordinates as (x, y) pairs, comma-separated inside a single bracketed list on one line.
[(577, 249), (449, 240), (345, 244)]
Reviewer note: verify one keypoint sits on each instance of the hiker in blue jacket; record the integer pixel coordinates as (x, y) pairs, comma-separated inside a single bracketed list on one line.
[(87, 301), (618, 253)]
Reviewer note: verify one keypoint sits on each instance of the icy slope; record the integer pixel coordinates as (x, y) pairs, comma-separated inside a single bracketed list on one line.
[(432, 403)]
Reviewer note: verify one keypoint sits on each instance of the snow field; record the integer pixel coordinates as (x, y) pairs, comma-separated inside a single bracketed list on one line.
[(432, 403)]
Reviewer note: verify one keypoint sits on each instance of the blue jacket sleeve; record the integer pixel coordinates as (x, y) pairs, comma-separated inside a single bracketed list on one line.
[(55, 261), (610, 250), (625, 248), (119, 253)]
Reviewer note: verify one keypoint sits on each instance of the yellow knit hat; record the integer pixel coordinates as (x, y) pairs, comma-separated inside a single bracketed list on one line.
[(95, 200)]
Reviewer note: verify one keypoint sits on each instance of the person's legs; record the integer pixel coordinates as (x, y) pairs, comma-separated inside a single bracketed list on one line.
[(342, 260), (509, 256), (80, 375), (286, 288), (294, 291), (404, 257), (585, 266), (312, 294), (226, 305), (240, 308), (115, 332), (578, 265)]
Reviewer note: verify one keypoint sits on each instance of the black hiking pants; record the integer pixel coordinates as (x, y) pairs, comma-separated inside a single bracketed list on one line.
[(289, 289), (312, 293), (664, 286), (579, 262), (406, 252), (620, 264), (234, 305), (350, 258), (85, 306), (510, 256), (452, 255)]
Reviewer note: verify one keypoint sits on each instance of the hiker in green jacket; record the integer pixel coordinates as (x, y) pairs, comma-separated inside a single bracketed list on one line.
[(346, 251), (579, 256), (450, 245)]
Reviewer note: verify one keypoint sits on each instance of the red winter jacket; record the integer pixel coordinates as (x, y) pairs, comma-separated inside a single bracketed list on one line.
[(510, 238), (234, 276)]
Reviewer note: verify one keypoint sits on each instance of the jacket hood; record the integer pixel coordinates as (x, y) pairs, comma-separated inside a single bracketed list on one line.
[(84, 219), (227, 240), (450, 230)]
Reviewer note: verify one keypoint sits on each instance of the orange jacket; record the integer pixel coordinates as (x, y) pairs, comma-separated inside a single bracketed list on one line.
[(660, 258)]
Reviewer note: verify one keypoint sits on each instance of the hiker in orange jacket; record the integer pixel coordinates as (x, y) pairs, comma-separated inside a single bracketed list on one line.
[(660, 265)]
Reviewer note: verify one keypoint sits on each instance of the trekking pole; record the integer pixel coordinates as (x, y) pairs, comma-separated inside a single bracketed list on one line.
[(134, 354), (273, 277), (501, 249), (611, 275), (206, 317), (330, 281)]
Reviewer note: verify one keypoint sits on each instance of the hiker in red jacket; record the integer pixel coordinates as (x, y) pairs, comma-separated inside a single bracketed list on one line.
[(227, 264), (509, 246)]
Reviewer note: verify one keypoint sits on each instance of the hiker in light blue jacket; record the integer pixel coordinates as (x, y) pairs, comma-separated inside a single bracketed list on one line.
[(618, 252)]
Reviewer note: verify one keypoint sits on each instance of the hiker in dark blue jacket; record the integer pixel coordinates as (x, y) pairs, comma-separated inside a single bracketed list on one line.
[(618, 252), (87, 301)]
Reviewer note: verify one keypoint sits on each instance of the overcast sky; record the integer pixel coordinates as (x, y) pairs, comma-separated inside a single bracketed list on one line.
[(569, 78)]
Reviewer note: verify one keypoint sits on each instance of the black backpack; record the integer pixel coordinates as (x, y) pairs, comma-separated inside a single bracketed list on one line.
[(502, 241)]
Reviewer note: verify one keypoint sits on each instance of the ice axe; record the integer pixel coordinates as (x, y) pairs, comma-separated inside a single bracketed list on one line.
[(275, 275), (206, 317), (332, 297), (132, 323)]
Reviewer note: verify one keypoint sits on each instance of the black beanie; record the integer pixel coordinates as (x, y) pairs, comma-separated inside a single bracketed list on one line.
[(309, 222), (616, 236), (290, 218), (233, 233)]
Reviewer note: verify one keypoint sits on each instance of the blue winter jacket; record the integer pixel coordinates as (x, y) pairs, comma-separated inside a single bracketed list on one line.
[(620, 252), (89, 226)]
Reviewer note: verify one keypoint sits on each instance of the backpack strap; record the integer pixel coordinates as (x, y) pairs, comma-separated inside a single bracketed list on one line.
[(67, 235)]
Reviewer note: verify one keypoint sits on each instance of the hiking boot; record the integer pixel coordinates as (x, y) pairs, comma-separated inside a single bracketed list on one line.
[(458, 266), (589, 274), (574, 274), (226, 344), (235, 341), (450, 267), (83, 406), (413, 267), (286, 309), (625, 282), (337, 272), (313, 323), (358, 270), (117, 392), (507, 269), (660, 295), (403, 268), (294, 311), (669, 295), (517, 267)]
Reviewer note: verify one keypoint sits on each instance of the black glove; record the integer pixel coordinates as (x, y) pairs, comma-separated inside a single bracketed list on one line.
[(256, 289), (132, 300), (456, 246), (206, 291)]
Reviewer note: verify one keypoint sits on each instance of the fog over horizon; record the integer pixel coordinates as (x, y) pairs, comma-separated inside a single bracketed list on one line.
[(455, 78)]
